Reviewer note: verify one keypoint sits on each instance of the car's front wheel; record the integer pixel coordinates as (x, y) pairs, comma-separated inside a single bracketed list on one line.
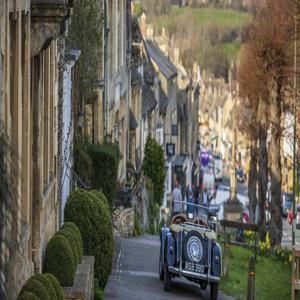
[(167, 278), (214, 289)]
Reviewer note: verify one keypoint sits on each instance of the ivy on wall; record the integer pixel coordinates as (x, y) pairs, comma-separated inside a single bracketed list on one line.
[(85, 34)]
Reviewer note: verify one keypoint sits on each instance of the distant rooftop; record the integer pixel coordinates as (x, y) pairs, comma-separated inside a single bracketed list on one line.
[(148, 99), (163, 62)]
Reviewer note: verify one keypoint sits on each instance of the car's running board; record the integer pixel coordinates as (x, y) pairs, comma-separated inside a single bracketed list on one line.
[(185, 273)]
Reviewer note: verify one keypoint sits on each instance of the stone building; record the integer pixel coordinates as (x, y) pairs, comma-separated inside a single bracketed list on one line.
[(30, 45), (117, 76)]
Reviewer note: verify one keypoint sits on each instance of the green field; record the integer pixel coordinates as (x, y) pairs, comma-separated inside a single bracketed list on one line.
[(232, 49), (204, 17), (272, 281), (224, 19)]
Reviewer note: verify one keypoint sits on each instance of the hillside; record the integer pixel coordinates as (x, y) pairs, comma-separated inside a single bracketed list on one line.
[(204, 16), (210, 36)]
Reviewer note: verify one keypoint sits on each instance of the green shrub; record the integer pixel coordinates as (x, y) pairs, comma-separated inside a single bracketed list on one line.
[(137, 230), (35, 287), (47, 285), (56, 286), (82, 161), (100, 196), (77, 236), (98, 292), (105, 162), (154, 168), (28, 296), (60, 261), (70, 236), (93, 218)]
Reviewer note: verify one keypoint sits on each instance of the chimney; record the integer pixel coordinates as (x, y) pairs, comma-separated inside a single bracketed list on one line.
[(149, 32), (195, 72), (176, 56), (144, 25)]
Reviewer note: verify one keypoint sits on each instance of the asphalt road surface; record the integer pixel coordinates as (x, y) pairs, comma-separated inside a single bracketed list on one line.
[(135, 275)]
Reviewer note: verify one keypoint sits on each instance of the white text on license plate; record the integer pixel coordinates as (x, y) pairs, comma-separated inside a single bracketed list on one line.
[(193, 267)]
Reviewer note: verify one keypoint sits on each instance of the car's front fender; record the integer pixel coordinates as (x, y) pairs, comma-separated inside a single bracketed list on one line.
[(216, 260), (170, 249), (163, 236)]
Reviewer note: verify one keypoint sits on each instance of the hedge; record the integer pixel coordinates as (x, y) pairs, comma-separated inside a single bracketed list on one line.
[(82, 161), (154, 168), (60, 261), (92, 216), (70, 236), (35, 287), (101, 196), (77, 235), (56, 286), (47, 283), (105, 163), (28, 296)]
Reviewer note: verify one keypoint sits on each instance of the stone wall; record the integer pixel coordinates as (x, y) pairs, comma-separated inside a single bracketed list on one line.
[(83, 287), (123, 220)]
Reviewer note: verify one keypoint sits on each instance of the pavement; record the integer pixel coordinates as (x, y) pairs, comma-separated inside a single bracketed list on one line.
[(286, 240), (135, 274)]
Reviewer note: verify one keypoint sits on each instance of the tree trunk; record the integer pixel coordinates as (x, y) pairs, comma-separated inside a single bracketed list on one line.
[(275, 165), (252, 180), (262, 166), (262, 181)]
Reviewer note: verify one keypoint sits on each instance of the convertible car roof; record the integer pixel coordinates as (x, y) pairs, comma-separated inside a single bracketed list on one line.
[(210, 234)]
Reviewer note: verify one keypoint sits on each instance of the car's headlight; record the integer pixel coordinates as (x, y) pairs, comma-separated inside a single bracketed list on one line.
[(194, 249)]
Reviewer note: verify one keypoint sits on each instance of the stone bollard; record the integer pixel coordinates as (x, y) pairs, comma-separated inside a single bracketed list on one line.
[(227, 246), (251, 278)]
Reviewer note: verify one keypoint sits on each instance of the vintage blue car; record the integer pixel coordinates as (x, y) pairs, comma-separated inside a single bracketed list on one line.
[(189, 249)]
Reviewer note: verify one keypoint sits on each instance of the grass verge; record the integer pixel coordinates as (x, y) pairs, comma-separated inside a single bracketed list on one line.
[(272, 281)]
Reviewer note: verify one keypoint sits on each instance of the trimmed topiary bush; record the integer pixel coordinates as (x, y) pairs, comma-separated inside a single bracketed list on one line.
[(56, 286), (60, 261), (77, 235), (47, 285), (100, 196), (105, 163), (92, 216), (28, 296), (35, 287), (70, 236)]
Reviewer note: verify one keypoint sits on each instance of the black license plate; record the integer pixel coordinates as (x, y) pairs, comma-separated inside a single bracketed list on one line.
[(194, 267)]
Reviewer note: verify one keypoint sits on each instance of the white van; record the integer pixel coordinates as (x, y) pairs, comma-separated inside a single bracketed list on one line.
[(218, 169)]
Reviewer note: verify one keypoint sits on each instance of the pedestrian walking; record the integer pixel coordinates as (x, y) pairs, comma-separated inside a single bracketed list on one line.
[(176, 199)]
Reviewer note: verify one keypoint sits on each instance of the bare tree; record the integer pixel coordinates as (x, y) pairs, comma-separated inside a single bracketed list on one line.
[(270, 49)]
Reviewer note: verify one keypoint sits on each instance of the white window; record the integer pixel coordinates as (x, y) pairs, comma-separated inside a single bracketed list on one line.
[(159, 136)]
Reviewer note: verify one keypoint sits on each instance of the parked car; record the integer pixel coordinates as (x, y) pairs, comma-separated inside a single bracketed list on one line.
[(298, 217), (190, 250), (240, 175), (218, 168), (287, 203)]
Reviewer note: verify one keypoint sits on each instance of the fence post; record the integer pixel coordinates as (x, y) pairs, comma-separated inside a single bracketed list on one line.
[(226, 254), (251, 279)]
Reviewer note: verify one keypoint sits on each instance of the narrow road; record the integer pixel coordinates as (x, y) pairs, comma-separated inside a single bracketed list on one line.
[(135, 276)]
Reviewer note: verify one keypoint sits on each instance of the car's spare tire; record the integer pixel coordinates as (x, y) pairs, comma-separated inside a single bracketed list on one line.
[(195, 248)]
